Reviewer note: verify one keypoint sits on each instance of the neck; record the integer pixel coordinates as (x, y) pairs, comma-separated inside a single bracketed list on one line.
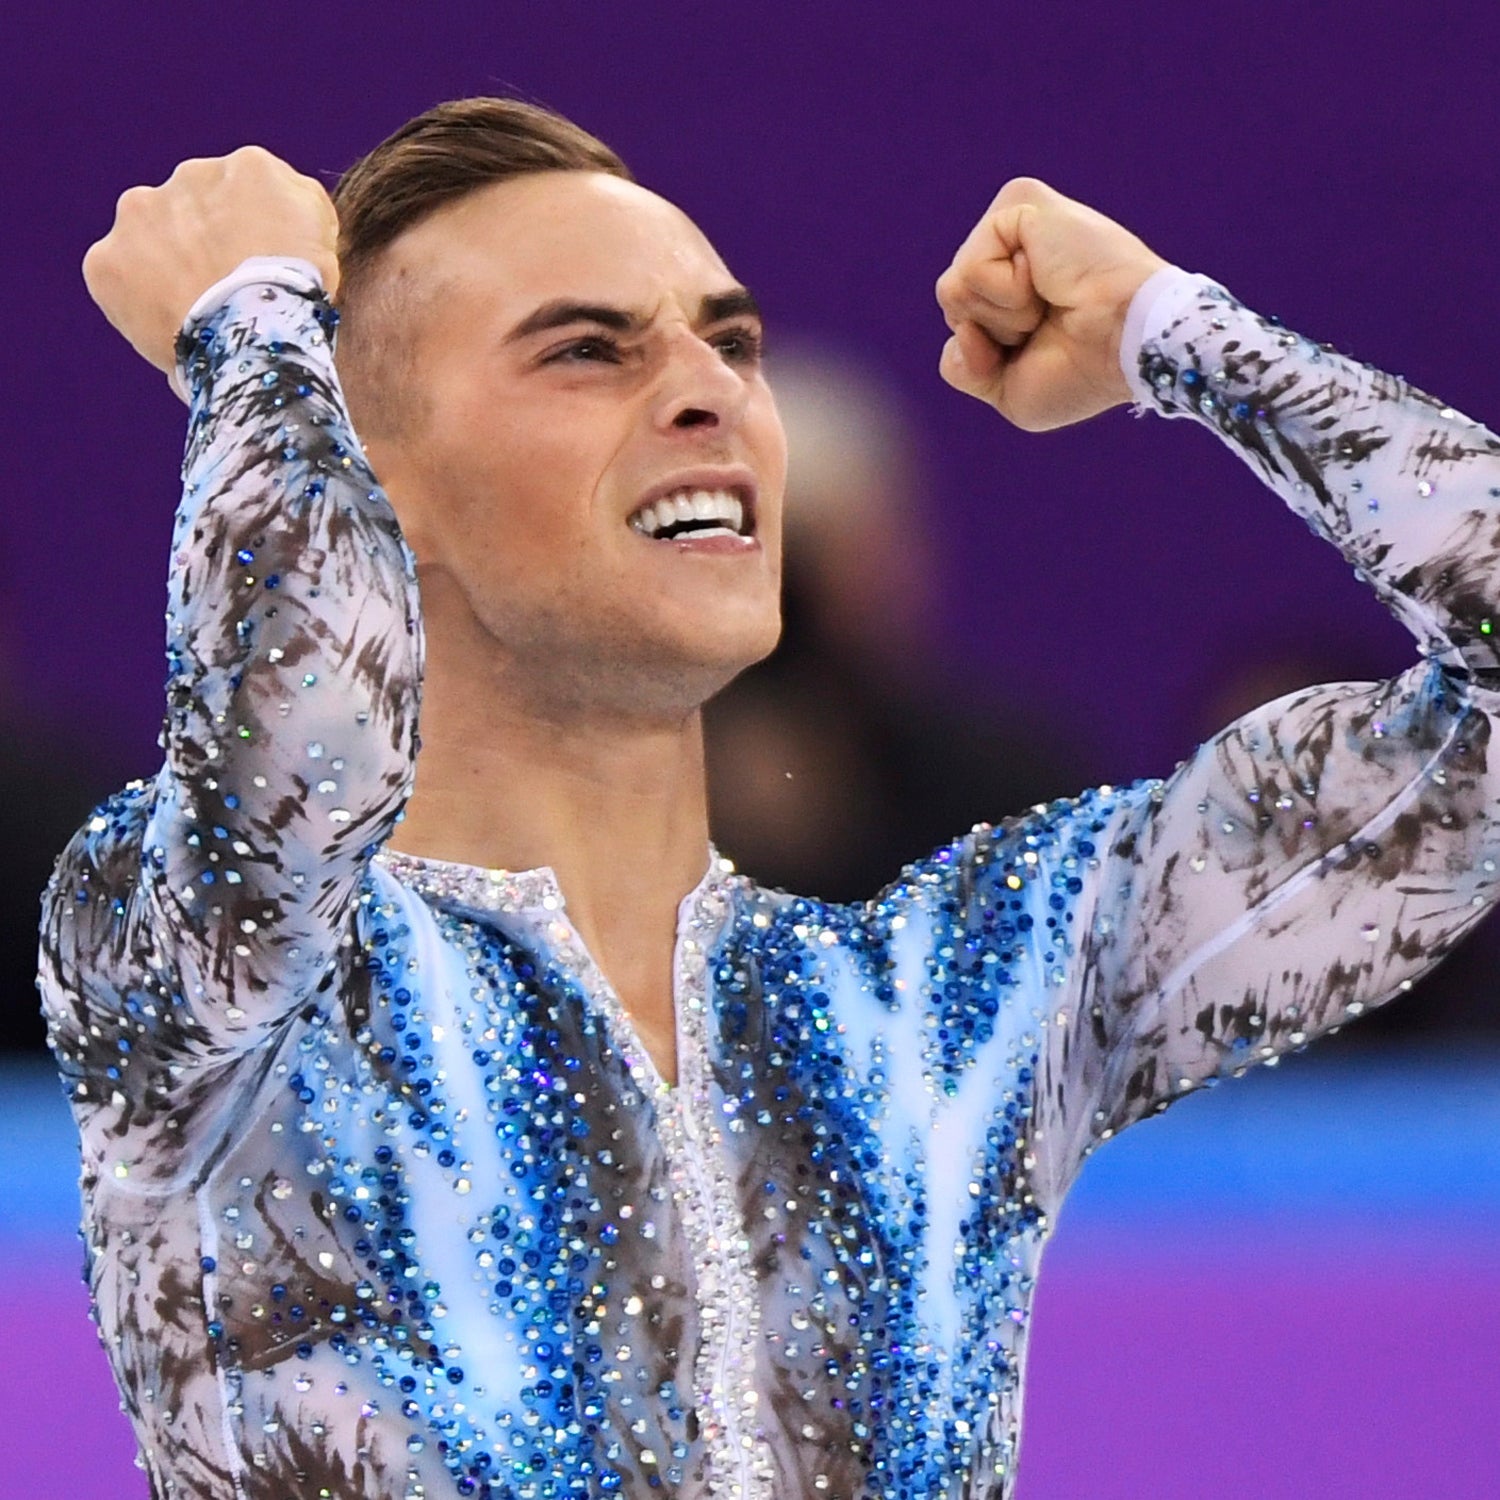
[(616, 805), (605, 805)]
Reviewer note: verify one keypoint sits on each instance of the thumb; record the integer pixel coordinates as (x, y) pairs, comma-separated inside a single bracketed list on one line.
[(1019, 208)]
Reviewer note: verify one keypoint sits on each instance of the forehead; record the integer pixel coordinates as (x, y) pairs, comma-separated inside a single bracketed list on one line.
[(563, 234)]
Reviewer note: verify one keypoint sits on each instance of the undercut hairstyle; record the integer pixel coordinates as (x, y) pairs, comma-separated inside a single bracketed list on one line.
[(442, 155)]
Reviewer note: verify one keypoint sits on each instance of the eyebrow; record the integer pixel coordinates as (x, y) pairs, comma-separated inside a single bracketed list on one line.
[(737, 303)]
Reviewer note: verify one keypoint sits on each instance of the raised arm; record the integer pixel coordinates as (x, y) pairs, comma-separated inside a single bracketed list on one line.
[(1313, 858), (222, 890)]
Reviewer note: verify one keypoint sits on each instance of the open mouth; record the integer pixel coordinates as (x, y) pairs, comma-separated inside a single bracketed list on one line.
[(695, 514)]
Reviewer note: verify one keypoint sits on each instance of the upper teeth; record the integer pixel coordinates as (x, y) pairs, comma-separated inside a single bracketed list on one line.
[(690, 505)]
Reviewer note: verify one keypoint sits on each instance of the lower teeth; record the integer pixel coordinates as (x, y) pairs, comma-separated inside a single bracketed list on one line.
[(694, 534)]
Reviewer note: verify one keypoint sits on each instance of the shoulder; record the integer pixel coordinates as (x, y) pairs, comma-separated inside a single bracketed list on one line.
[(1042, 857), (1052, 846)]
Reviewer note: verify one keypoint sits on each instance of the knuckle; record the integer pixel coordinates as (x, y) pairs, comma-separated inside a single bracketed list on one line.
[(1022, 193), (256, 162), (955, 286), (194, 169), (1024, 189), (95, 260), (132, 200)]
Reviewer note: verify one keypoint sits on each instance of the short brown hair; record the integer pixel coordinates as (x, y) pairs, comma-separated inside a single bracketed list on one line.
[(442, 155)]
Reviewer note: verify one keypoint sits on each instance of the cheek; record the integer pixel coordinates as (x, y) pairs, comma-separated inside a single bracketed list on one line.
[(521, 477), (769, 443)]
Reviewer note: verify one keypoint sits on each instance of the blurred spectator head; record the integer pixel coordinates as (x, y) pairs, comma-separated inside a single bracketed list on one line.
[(858, 552)]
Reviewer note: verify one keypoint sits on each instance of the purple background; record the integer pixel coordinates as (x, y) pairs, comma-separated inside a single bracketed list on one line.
[(1337, 165), (1284, 1290), (1131, 1393)]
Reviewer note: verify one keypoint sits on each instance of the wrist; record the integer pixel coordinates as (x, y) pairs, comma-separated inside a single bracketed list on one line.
[(291, 273), (1124, 318), (1156, 305), (280, 270)]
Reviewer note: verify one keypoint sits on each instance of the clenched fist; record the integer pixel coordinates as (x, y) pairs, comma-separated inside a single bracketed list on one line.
[(169, 244), (1036, 298)]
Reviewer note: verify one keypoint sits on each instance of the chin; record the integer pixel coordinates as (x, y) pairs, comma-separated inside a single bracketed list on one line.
[(706, 661), (741, 647), (725, 629)]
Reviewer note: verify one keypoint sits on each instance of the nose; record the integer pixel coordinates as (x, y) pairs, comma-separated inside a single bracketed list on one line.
[(697, 389)]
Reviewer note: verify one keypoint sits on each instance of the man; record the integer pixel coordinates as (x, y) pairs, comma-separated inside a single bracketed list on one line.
[(390, 1190)]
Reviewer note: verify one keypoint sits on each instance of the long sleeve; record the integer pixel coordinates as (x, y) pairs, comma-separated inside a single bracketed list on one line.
[(1312, 859), (194, 911)]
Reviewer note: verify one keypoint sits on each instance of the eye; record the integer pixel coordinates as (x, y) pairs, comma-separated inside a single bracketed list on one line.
[(740, 346), (594, 348)]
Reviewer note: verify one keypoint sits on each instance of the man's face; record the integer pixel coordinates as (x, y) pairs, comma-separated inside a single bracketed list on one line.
[(586, 375)]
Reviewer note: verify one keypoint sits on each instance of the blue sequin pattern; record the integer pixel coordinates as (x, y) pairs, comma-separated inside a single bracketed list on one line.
[(384, 1197)]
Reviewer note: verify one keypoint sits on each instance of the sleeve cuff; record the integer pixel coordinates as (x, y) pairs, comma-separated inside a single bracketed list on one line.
[(1153, 309), (282, 270)]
